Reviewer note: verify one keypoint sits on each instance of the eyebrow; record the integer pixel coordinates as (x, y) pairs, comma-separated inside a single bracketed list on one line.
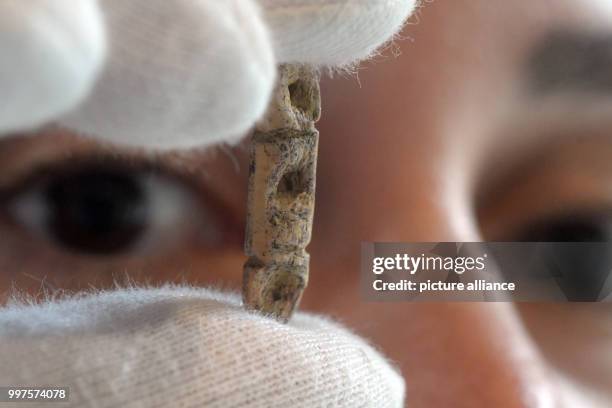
[(572, 61)]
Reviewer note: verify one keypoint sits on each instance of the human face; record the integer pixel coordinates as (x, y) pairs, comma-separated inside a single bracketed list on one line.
[(462, 137), (478, 131)]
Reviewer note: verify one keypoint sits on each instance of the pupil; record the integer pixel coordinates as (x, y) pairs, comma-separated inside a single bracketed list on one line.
[(96, 211)]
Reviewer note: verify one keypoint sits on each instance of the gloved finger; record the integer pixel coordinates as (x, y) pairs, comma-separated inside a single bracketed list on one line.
[(52, 51), (332, 32), (183, 73), (180, 73), (190, 347)]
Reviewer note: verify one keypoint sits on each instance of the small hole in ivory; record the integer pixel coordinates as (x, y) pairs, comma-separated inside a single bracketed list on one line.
[(292, 184), (303, 98)]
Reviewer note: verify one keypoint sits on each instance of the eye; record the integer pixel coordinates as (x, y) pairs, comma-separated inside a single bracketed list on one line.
[(560, 196), (94, 210), (581, 257), (103, 208)]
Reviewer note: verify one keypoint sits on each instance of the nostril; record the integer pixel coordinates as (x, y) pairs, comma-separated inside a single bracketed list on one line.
[(304, 96)]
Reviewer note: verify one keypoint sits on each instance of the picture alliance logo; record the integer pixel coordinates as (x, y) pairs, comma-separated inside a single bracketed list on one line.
[(429, 263), (524, 271)]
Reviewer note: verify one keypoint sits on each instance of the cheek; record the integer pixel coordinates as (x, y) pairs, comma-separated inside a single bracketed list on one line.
[(34, 269)]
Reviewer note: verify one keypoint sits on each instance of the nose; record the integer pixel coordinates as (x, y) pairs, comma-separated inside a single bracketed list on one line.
[(379, 185), (451, 354)]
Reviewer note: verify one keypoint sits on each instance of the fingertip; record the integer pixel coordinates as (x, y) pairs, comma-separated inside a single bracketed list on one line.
[(384, 383), (335, 32), (54, 50), (180, 74)]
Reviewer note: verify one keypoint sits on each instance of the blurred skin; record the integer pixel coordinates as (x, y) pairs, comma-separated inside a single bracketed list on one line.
[(442, 143)]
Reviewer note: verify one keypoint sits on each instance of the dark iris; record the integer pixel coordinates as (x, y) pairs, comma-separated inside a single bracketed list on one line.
[(580, 259), (96, 210)]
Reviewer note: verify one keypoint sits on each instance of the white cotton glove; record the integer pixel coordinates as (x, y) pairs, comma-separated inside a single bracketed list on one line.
[(179, 346), (178, 73), (52, 52)]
